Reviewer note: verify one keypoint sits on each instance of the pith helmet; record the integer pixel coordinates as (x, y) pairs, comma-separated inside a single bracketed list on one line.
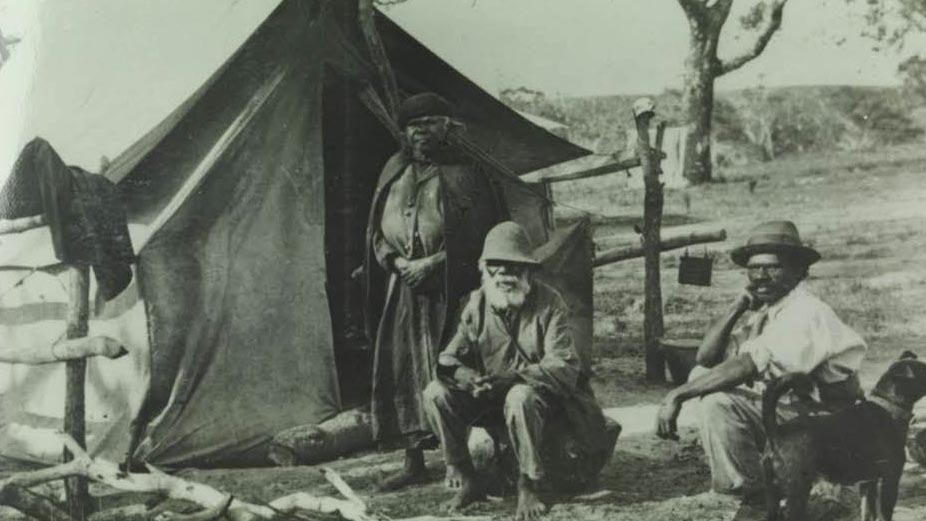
[(775, 237), (508, 242)]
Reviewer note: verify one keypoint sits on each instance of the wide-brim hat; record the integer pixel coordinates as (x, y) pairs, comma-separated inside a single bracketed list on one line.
[(775, 237), (421, 105), (508, 242)]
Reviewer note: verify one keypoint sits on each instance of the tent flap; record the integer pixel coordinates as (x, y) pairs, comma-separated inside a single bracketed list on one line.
[(250, 348)]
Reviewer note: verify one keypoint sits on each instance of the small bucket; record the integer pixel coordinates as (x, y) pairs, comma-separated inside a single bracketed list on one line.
[(695, 271), (680, 357)]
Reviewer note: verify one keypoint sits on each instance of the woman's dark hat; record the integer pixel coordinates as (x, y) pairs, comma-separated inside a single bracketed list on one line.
[(775, 237), (421, 105)]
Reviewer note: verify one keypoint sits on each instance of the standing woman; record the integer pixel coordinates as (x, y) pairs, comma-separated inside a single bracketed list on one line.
[(430, 214)]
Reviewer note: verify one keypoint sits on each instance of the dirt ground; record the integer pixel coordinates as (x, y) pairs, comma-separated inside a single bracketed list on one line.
[(866, 213)]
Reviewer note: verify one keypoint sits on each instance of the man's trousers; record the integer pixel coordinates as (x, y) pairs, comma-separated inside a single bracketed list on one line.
[(524, 411), (733, 437)]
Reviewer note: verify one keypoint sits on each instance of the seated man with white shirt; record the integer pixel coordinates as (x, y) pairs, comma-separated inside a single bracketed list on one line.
[(789, 330)]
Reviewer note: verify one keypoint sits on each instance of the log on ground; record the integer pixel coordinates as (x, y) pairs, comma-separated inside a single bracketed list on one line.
[(344, 434)]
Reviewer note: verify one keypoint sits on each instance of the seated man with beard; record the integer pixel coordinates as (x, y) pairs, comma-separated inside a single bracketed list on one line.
[(513, 362)]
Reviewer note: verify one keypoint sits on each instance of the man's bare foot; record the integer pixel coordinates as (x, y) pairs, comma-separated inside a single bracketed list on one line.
[(413, 473), (530, 506), (469, 490), (454, 478)]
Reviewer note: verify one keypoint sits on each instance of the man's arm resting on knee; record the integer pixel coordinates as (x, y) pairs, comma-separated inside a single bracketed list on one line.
[(724, 376)]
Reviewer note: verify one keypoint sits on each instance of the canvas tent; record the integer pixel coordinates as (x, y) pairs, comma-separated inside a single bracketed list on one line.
[(246, 207)]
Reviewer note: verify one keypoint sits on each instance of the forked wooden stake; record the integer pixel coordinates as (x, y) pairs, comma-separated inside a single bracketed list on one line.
[(643, 112)]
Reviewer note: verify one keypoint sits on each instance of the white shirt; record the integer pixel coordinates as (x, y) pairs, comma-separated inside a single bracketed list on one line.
[(801, 334)]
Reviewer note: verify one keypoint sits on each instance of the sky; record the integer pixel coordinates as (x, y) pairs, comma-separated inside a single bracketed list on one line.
[(92, 76), (594, 47)]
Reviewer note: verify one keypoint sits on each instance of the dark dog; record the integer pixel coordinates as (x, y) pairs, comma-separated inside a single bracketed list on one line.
[(863, 443)]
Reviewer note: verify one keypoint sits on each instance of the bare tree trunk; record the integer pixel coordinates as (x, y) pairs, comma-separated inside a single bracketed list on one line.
[(706, 20), (698, 100)]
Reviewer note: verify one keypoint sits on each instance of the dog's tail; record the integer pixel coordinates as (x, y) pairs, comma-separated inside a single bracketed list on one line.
[(801, 383)]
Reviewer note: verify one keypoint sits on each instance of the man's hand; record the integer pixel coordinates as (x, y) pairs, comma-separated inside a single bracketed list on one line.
[(466, 378), (747, 301), (413, 272), (495, 383), (666, 418)]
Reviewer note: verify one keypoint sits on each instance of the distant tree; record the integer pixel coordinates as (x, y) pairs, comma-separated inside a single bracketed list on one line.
[(913, 73), (878, 121), (532, 101), (5, 47), (893, 23), (706, 20)]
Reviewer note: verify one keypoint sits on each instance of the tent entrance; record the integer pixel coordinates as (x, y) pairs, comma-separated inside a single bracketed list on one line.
[(356, 146)]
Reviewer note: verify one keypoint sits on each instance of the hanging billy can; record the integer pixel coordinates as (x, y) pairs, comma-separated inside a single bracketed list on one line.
[(695, 270)]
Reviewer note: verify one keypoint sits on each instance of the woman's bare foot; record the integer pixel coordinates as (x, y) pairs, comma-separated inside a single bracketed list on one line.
[(412, 473), (469, 490), (454, 478), (530, 506)]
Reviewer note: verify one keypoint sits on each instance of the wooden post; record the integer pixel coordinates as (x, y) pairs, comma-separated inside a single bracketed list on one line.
[(643, 111), (76, 371)]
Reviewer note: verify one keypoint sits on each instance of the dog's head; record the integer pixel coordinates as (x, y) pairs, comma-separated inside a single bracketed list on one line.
[(904, 381)]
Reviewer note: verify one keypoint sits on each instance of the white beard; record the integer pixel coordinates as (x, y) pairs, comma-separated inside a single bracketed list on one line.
[(500, 295)]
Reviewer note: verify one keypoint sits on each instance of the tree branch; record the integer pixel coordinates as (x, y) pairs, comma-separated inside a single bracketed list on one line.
[(772, 24), (32, 505), (694, 9), (718, 12), (213, 503), (62, 350)]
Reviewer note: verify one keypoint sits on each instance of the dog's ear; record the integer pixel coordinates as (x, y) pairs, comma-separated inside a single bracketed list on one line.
[(905, 371), (908, 355)]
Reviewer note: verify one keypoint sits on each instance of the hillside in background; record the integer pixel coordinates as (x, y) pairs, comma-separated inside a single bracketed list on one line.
[(750, 125)]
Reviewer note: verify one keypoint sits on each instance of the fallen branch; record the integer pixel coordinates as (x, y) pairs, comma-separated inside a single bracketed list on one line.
[(214, 503), (23, 224), (109, 474), (65, 349), (327, 505), (338, 482), (451, 518), (632, 251), (33, 505)]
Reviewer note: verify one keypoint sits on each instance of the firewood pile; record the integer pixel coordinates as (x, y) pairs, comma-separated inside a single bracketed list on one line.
[(207, 502)]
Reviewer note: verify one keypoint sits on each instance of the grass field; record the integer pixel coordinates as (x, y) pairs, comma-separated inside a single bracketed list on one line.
[(866, 213)]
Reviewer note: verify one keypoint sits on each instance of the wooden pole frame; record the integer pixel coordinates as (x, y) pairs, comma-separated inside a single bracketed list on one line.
[(76, 374), (632, 251), (653, 327)]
